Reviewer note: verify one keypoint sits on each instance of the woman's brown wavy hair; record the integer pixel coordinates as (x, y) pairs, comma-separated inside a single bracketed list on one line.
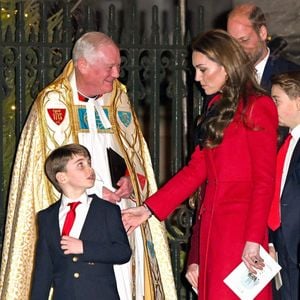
[(221, 48)]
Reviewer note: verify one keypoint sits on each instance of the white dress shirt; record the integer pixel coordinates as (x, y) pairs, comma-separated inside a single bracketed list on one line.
[(295, 132), (81, 213), (260, 67), (97, 141)]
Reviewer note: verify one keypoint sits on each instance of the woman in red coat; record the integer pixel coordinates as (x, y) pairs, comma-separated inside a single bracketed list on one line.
[(236, 158)]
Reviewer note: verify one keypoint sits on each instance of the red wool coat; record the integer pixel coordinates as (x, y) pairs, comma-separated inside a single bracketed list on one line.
[(240, 176)]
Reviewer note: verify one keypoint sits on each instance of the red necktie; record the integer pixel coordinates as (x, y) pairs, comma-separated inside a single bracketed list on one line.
[(70, 217), (274, 215)]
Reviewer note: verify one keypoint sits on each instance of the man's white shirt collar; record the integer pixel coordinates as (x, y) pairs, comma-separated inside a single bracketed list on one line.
[(83, 199), (295, 132), (260, 67)]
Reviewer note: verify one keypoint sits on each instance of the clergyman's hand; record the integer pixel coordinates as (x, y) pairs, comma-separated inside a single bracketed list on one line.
[(110, 196), (125, 187), (134, 217)]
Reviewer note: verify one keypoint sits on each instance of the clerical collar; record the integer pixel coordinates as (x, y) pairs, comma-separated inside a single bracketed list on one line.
[(84, 98)]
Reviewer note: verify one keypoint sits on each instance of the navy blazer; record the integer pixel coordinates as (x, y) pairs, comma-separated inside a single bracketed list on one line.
[(290, 207), (276, 65), (86, 276)]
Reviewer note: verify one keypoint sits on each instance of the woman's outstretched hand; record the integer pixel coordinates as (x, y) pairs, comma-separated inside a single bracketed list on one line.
[(134, 217)]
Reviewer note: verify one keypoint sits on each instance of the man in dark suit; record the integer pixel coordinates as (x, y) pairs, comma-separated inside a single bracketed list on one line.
[(80, 237), (284, 219), (247, 24)]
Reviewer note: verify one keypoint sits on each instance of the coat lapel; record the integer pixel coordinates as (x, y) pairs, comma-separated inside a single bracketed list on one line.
[(91, 216), (294, 162)]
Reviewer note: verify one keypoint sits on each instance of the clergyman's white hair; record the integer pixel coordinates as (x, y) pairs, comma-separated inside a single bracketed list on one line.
[(86, 45)]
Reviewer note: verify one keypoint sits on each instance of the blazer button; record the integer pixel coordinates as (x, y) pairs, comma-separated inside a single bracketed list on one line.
[(75, 259), (76, 275)]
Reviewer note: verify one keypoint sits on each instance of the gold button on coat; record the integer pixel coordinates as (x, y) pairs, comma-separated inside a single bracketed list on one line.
[(76, 275), (75, 258)]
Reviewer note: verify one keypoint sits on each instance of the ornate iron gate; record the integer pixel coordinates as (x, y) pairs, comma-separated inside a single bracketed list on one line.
[(36, 38)]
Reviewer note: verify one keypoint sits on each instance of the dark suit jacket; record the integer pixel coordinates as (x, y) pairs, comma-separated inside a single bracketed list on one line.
[(87, 276), (276, 65), (290, 207)]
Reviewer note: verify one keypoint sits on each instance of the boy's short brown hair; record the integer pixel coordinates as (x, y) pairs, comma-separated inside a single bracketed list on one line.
[(289, 82), (58, 159)]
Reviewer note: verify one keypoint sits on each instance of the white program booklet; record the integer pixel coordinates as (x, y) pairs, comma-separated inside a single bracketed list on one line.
[(246, 285)]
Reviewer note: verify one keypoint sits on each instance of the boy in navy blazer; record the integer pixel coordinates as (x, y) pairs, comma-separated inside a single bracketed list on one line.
[(78, 264), (285, 233)]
